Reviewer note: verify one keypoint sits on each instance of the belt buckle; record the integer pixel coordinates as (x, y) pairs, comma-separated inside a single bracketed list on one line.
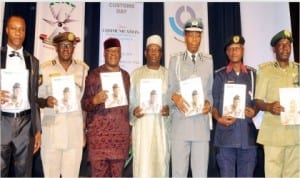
[(15, 115)]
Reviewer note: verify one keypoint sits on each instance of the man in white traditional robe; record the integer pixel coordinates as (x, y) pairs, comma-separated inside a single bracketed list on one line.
[(150, 132)]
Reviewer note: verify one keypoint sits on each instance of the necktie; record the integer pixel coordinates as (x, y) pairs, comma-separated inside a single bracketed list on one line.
[(193, 58), (15, 53)]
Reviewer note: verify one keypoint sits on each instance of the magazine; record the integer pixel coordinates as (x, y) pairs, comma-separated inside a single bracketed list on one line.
[(192, 92), (151, 95), (112, 82), (63, 89), (16, 83), (234, 101), (290, 100)]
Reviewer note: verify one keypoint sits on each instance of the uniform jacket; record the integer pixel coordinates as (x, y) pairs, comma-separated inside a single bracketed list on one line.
[(241, 134), (62, 130), (269, 79), (181, 67), (32, 64)]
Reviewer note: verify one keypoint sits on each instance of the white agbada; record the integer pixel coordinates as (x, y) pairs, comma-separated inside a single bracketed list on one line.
[(150, 133)]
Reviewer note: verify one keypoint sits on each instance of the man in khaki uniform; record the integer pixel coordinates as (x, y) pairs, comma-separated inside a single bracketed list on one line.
[(281, 142), (63, 133)]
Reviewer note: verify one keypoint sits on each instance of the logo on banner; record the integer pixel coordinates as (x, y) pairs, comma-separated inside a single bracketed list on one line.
[(61, 17), (176, 23)]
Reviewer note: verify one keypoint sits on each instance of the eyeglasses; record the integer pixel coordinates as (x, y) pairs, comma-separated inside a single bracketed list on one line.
[(65, 46)]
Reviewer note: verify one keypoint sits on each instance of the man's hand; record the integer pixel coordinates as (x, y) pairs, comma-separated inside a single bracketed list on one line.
[(51, 102), (275, 108), (206, 108), (226, 120), (138, 112), (4, 96), (249, 112), (100, 97), (180, 102), (165, 110), (37, 141)]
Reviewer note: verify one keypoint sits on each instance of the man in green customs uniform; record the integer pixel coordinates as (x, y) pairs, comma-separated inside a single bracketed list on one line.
[(281, 142)]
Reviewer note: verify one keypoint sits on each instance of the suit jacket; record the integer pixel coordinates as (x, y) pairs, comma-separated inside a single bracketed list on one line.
[(32, 64)]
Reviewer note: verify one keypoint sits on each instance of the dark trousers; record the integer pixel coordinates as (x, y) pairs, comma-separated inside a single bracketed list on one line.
[(16, 145), (236, 162)]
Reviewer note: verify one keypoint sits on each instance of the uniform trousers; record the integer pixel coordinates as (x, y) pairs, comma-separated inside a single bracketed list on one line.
[(282, 161), (182, 151), (16, 145), (64, 162), (236, 162)]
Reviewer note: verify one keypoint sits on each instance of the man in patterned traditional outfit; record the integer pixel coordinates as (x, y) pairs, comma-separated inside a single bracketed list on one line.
[(108, 134)]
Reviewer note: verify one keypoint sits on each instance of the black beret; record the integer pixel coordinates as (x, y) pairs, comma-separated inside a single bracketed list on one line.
[(280, 35), (67, 89), (65, 36), (115, 85), (195, 92), (236, 97), (235, 39), (17, 85), (111, 42), (153, 92)]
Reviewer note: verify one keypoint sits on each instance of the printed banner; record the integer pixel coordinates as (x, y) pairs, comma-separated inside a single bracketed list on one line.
[(116, 20), (176, 15), (53, 18), (258, 33)]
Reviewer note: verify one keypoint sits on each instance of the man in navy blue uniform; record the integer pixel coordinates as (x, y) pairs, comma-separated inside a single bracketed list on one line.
[(235, 137)]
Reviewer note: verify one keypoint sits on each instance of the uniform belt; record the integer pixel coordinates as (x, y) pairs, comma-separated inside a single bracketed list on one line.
[(14, 115)]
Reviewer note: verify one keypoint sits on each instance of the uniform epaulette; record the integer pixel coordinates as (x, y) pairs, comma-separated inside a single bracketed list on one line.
[(206, 56), (47, 63), (250, 68), (220, 69), (266, 64), (177, 54), (81, 62), (296, 63)]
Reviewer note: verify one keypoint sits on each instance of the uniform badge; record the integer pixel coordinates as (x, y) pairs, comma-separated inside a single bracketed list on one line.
[(287, 33), (236, 39)]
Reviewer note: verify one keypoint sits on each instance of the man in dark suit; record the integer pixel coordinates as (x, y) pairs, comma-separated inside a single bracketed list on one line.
[(20, 128)]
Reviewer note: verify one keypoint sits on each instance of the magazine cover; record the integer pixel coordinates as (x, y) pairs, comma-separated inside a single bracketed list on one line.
[(112, 82), (234, 101), (192, 92), (16, 83), (151, 95), (63, 89), (290, 100)]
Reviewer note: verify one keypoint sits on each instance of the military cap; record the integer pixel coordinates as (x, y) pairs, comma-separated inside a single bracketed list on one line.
[(153, 92), (235, 39), (236, 97), (111, 42), (115, 85), (67, 89), (194, 25), (154, 39), (65, 36), (17, 85), (195, 92), (280, 35)]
